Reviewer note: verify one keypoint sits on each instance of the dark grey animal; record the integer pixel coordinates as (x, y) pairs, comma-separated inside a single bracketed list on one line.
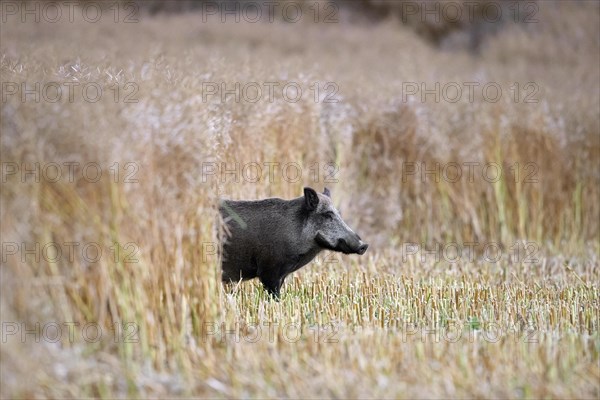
[(272, 238)]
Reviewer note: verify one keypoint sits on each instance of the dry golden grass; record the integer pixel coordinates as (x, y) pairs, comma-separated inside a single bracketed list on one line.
[(385, 325)]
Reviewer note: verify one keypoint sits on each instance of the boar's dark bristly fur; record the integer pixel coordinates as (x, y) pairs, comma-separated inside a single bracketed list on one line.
[(272, 238)]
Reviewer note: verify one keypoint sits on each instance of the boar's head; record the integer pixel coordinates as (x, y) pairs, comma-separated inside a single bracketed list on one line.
[(325, 225)]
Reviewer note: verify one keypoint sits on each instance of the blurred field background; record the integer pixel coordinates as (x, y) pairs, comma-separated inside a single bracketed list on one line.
[(527, 329)]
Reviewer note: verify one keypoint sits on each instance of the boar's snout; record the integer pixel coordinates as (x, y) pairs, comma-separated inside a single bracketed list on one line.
[(362, 248), (359, 246), (353, 245), (348, 245)]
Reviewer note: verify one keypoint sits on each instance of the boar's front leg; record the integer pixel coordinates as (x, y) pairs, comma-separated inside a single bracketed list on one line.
[(272, 285)]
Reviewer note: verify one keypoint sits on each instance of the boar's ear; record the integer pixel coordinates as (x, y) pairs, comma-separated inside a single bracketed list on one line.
[(311, 198), (327, 193)]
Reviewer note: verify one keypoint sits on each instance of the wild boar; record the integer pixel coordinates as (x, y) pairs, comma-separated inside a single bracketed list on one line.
[(272, 238)]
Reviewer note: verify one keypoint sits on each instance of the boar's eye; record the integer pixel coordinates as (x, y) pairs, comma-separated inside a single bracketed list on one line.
[(329, 214)]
